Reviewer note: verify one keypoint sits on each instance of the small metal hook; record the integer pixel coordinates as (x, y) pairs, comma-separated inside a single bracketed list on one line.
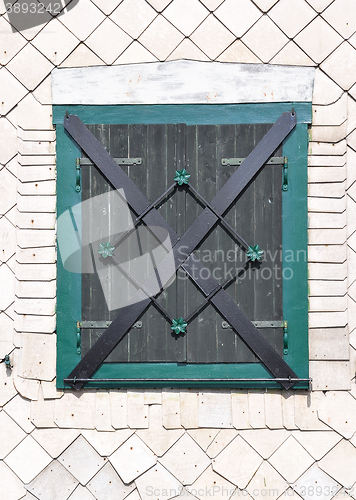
[(67, 115), (7, 361)]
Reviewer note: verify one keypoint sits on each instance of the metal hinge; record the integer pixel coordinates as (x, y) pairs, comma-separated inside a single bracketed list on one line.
[(259, 324), (102, 324), (275, 160), (119, 161)]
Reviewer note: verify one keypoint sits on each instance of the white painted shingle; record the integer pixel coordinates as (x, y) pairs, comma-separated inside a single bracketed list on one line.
[(8, 148), (315, 478), (157, 437), (12, 434), (137, 411), (291, 460), (75, 411), (328, 343), (292, 16), (108, 41), (54, 483), (7, 191), (55, 42), (81, 460), (238, 15), (317, 443), (171, 409), (55, 440), (10, 99), (318, 39), (189, 408), (240, 413), (237, 462), (102, 411), (81, 56), (118, 407), (238, 52), (105, 443), (28, 459), (132, 459), (7, 239), (123, 16), (21, 66), (340, 463), (338, 63), (6, 292), (212, 484), (212, 37), (19, 410), (185, 460), (160, 480), (291, 52), (161, 38), (107, 485), (265, 39), (221, 440), (215, 409), (83, 19), (176, 13), (267, 482), (12, 482), (341, 14), (265, 441)]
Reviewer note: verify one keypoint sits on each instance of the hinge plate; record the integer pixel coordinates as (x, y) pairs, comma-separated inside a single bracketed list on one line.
[(119, 161), (275, 160)]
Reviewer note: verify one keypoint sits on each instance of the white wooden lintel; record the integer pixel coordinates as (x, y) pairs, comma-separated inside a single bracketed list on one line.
[(182, 82)]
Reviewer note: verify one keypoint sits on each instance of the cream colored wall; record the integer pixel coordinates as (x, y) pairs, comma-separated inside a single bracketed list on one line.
[(86, 445)]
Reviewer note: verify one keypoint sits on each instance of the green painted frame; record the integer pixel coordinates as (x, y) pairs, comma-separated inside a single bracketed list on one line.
[(294, 214)]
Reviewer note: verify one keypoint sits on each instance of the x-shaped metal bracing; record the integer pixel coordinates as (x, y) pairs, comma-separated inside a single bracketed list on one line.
[(213, 212)]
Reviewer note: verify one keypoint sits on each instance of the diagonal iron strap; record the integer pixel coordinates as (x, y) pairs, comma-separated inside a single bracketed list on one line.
[(193, 236), (114, 174)]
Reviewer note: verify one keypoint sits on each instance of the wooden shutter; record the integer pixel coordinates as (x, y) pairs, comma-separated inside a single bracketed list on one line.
[(195, 235), (256, 216)]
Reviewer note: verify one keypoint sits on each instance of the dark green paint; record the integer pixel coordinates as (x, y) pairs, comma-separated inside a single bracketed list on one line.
[(191, 114)]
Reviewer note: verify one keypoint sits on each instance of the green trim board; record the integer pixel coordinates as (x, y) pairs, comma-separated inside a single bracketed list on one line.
[(294, 216), (191, 114)]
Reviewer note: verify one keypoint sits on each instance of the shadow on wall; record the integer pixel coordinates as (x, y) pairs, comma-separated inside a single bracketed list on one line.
[(26, 14)]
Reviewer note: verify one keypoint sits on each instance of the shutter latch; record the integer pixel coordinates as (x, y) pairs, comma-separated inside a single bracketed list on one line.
[(285, 337), (77, 176), (79, 338), (285, 175)]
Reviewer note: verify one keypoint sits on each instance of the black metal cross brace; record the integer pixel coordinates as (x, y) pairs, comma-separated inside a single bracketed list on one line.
[(189, 241)]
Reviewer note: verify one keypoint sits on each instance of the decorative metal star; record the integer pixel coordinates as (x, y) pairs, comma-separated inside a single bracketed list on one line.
[(254, 253), (182, 176), (179, 326), (106, 250)]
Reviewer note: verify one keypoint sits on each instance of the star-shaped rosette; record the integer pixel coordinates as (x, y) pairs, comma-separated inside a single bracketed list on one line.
[(179, 326), (106, 250), (182, 177), (254, 253)]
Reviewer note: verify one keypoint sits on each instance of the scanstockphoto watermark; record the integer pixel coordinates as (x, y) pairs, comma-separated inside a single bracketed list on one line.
[(224, 265), (290, 490), (27, 14)]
